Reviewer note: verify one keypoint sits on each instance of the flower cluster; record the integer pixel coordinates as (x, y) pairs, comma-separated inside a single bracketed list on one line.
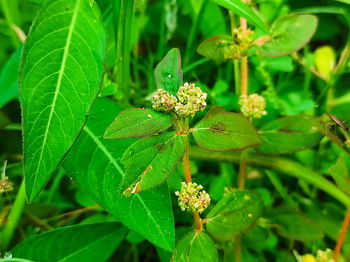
[(192, 197), (324, 256), (252, 105), (5, 185), (243, 38), (163, 101), (191, 100)]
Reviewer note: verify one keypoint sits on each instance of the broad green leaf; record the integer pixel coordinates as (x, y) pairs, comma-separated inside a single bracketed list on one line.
[(195, 247), (137, 122), (289, 34), (94, 163), (238, 7), (9, 79), (291, 223), (220, 48), (61, 70), (234, 213), (340, 174), (85, 243), (289, 134), (168, 72), (225, 131), (150, 161)]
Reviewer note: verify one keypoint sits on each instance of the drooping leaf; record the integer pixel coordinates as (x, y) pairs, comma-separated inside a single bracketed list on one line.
[(220, 48), (61, 70), (289, 134), (94, 163), (9, 79), (340, 174), (93, 242), (137, 122), (238, 7), (156, 158), (195, 247), (168, 72), (289, 34), (293, 224), (234, 213), (225, 131)]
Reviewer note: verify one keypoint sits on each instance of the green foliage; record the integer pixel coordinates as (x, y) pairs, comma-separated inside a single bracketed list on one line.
[(340, 174), (225, 131), (127, 154), (102, 177), (168, 73), (235, 213), (137, 122), (289, 134), (60, 76), (291, 223), (195, 247), (156, 159), (220, 48), (9, 78), (289, 33), (73, 243), (243, 10)]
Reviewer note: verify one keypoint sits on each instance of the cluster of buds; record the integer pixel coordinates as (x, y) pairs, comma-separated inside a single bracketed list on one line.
[(243, 38), (324, 256), (163, 101), (5, 185), (192, 198), (252, 105), (191, 100)]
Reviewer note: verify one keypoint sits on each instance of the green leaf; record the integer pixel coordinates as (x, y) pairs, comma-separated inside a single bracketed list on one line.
[(234, 213), (292, 224), (137, 122), (289, 134), (93, 242), (61, 71), (94, 164), (9, 79), (220, 48), (225, 131), (168, 73), (150, 161), (340, 174), (289, 34), (195, 247), (238, 7)]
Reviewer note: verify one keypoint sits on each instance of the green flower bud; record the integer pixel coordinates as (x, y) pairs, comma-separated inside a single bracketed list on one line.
[(252, 105), (163, 101), (192, 197)]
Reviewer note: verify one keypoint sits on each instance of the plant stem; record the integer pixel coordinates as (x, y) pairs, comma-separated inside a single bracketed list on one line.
[(123, 12), (186, 161), (279, 164), (13, 218), (342, 235), (244, 63)]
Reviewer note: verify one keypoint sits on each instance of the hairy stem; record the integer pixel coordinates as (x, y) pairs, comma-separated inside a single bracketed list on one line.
[(15, 214), (186, 161), (342, 235)]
